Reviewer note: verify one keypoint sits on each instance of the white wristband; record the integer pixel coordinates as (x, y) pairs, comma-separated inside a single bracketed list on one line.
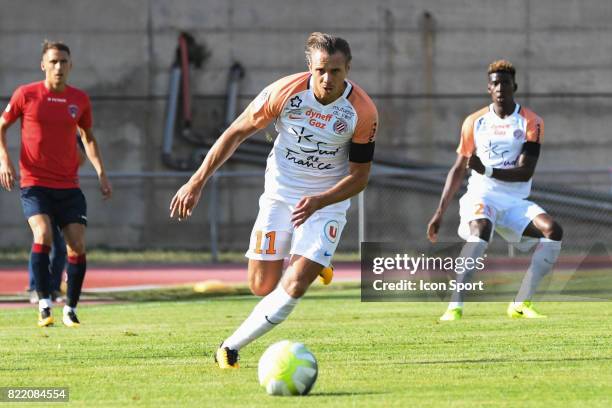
[(488, 171)]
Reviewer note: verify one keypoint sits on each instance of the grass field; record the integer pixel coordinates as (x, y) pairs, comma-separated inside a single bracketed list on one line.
[(370, 354)]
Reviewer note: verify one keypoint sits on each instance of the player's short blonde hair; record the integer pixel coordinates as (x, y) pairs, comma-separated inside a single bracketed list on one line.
[(328, 43), (502, 65)]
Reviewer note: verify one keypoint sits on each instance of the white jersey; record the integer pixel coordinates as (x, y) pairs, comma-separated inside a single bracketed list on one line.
[(310, 154), (499, 143)]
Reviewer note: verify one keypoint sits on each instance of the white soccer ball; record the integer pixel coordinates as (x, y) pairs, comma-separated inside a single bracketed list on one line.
[(287, 368)]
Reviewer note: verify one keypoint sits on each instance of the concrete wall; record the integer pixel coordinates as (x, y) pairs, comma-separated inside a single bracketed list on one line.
[(423, 61)]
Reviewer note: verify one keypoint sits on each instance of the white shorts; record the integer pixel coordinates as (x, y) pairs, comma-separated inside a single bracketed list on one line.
[(274, 237), (508, 214)]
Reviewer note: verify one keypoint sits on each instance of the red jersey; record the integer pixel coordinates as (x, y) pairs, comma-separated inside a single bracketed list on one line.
[(49, 120)]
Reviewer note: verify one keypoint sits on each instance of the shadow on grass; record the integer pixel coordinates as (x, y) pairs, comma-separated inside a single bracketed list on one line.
[(504, 360), (344, 393)]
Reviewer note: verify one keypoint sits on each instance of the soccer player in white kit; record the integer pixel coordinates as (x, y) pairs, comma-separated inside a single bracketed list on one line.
[(500, 143), (322, 155)]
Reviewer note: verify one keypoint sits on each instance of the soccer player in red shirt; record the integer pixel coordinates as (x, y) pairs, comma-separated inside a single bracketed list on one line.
[(50, 112)]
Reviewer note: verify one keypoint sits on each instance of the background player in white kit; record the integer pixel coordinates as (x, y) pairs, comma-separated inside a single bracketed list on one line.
[(322, 156), (501, 144)]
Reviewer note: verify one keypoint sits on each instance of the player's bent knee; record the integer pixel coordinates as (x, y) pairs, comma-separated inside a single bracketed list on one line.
[(261, 288), (481, 228), (43, 237), (76, 249), (262, 284), (554, 232)]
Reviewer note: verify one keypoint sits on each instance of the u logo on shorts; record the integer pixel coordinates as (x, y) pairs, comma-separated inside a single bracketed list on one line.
[(331, 230)]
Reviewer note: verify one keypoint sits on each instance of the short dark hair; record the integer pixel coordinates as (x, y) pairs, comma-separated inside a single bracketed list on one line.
[(502, 65), (54, 45), (328, 43)]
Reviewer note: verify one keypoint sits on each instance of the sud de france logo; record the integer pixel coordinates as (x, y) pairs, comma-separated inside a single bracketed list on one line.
[(331, 230)]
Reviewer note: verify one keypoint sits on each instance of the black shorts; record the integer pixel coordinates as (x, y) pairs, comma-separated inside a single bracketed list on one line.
[(64, 205)]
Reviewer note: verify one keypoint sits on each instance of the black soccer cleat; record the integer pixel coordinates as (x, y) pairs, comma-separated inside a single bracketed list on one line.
[(45, 318), (226, 357), (70, 319)]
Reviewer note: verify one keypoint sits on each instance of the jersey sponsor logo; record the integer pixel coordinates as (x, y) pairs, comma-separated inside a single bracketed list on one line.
[(73, 110), (344, 112), (340, 126), (295, 114), (373, 132), (331, 230), (318, 115), (295, 101), (8, 108), (318, 147), (311, 161), (52, 99), (317, 119), (260, 99)]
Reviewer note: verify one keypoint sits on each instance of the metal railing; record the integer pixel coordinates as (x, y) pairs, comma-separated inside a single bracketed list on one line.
[(396, 206)]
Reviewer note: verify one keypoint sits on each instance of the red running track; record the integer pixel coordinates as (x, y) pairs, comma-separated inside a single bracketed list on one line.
[(14, 280)]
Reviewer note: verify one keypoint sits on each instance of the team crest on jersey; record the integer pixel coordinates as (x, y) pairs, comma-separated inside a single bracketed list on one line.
[(340, 126), (518, 133), (73, 110), (331, 230)]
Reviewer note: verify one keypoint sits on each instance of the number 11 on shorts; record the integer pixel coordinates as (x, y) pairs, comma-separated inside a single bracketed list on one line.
[(270, 238)]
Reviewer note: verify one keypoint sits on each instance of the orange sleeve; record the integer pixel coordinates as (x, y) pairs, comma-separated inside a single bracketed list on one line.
[(466, 144), (367, 116), (268, 105), (535, 127)]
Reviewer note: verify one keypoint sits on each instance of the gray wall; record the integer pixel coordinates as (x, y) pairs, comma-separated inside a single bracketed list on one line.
[(423, 61)]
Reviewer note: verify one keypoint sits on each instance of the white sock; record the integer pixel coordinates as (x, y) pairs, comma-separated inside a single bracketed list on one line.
[(68, 309), (44, 303), (544, 257), (473, 248), (269, 312)]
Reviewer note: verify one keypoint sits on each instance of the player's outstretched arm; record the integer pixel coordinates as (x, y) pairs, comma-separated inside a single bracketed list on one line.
[(7, 170), (187, 197), (453, 182), (93, 154), (356, 181)]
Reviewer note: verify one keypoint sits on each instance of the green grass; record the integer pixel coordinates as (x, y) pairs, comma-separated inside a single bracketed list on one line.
[(370, 354)]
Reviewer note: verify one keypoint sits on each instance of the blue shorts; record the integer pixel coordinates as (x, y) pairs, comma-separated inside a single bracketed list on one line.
[(64, 205)]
